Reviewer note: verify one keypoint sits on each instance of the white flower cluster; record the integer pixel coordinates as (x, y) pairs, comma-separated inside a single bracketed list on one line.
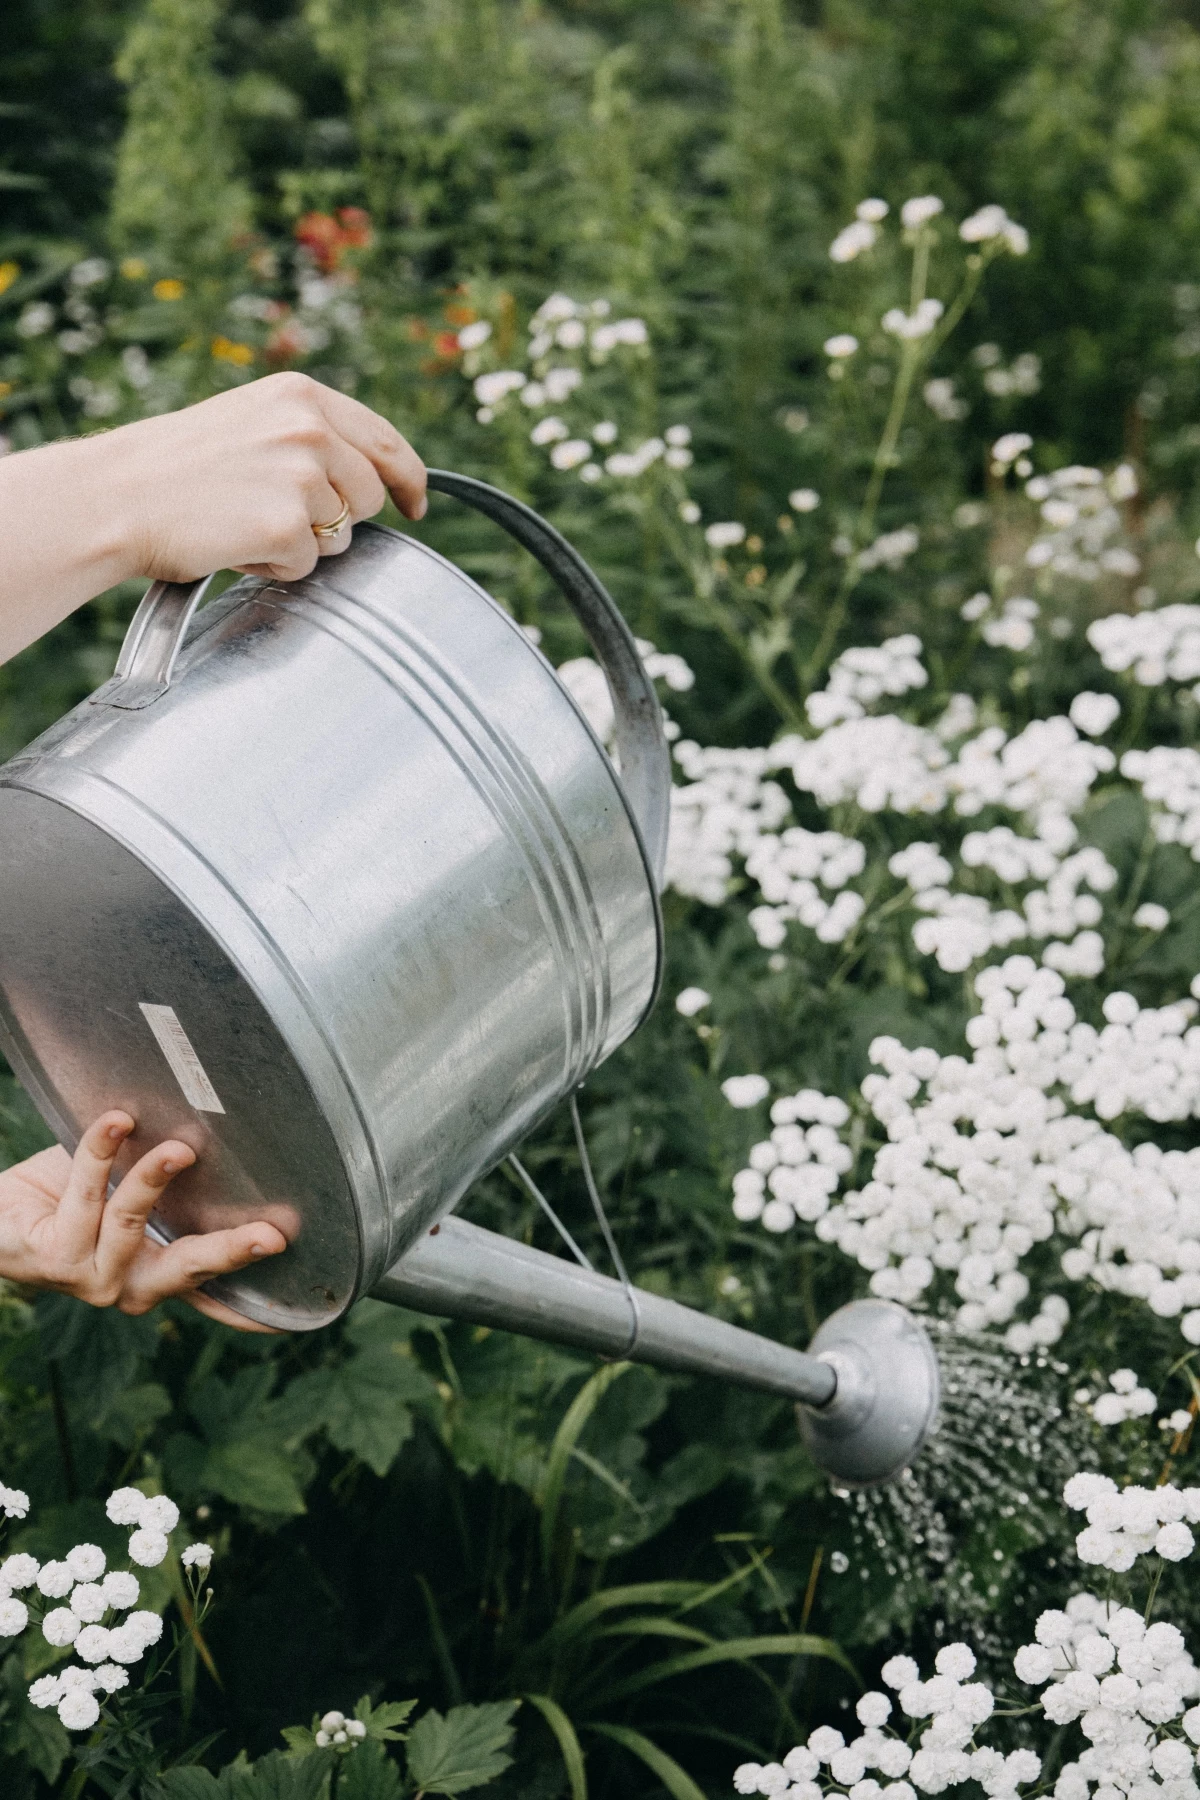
[(788, 869), (792, 1174), (1170, 783), (890, 550), (1079, 508), (1126, 1399), (859, 678), (984, 1160), (722, 812), (92, 1592), (990, 223), (1125, 1523), (1012, 627), (336, 1731), (1126, 1683), (914, 325), (13, 1503), (1161, 645), (947, 1754)]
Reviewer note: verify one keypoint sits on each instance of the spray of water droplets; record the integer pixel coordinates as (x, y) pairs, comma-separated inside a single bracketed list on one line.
[(1001, 1449)]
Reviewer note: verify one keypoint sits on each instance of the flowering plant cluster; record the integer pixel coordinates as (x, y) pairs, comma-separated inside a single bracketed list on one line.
[(81, 1605), (1129, 1685)]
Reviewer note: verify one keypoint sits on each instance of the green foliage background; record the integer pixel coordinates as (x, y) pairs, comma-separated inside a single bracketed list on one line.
[(405, 1509)]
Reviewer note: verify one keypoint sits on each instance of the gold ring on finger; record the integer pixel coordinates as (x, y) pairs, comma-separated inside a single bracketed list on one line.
[(335, 526)]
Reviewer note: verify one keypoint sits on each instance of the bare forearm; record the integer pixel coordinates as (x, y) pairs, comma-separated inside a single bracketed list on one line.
[(65, 534), (235, 482)]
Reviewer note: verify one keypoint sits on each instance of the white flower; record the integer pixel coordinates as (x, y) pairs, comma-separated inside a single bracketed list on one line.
[(110, 1677), (1151, 917), (333, 1721), (689, 512), (126, 1645), (17, 1572), (871, 210), (61, 1626), (146, 1625), (842, 344), (14, 1616), (45, 1691), (54, 1580), (36, 319), (13, 1503), (120, 1588), (86, 1562), (804, 500), (852, 240), (1094, 713), (691, 1000), (1174, 1542), (571, 454), (605, 432), (825, 1742), (917, 324), (724, 535), (1006, 449), (489, 390), (199, 1556), (473, 335), (873, 1710), (125, 1506), (88, 1602), (148, 1548), (919, 211), (547, 430), (79, 1709), (88, 272), (900, 1672), (744, 1091), (93, 1643), (956, 1661)]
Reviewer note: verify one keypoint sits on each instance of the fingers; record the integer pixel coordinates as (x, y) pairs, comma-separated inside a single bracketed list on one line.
[(399, 467), (81, 1209), (178, 1269), (124, 1218)]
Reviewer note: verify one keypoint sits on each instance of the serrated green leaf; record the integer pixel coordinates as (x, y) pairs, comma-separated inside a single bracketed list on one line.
[(463, 1750), (253, 1474), (368, 1773), (384, 1722), (191, 1784), (299, 1739)]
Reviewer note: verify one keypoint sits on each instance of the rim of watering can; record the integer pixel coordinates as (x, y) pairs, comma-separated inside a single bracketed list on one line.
[(627, 805)]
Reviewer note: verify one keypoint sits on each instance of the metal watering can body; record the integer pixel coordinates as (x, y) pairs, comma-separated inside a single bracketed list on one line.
[(338, 886), (335, 882)]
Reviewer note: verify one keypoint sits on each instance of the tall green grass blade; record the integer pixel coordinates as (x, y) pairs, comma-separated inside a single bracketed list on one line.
[(655, 1627), (677, 1781), (733, 1650), (568, 1742), (640, 1593), (565, 1438)]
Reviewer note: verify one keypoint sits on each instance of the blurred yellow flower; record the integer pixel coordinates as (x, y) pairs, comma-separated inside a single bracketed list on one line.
[(133, 268), (6, 387), (225, 350), (168, 289), (8, 274)]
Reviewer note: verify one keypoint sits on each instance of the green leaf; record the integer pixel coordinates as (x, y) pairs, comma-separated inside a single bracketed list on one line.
[(253, 1474), (568, 1742), (463, 1750), (565, 1439), (384, 1722), (732, 1650), (37, 1735), (273, 1777), (299, 1739), (191, 1784), (677, 1781), (368, 1773)]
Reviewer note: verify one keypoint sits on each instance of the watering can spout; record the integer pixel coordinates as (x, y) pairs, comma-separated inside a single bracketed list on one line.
[(866, 1390)]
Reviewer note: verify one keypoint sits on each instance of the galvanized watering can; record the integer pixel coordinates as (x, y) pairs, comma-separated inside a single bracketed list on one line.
[(334, 881)]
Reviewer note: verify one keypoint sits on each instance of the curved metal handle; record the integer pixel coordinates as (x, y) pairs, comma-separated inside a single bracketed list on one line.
[(159, 626), (152, 643), (641, 742)]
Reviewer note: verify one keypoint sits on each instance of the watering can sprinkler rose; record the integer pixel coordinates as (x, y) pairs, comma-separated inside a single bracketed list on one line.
[(334, 882)]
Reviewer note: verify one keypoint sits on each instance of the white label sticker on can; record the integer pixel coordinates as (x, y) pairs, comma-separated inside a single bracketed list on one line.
[(186, 1066)]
